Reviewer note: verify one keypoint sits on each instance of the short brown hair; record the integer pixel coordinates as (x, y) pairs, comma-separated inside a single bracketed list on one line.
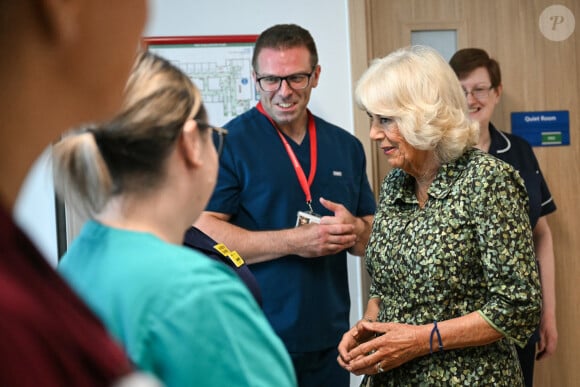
[(282, 36), (466, 60)]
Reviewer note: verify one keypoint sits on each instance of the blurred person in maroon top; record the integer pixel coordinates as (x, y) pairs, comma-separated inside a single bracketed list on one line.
[(64, 63)]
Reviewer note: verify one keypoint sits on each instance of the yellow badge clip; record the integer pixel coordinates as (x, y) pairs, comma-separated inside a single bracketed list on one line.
[(232, 255), (236, 258), (222, 249)]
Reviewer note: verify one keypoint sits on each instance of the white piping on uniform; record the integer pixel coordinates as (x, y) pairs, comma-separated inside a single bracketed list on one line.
[(508, 143)]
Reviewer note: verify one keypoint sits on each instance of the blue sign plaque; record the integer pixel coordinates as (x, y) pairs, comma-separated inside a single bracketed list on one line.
[(547, 128)]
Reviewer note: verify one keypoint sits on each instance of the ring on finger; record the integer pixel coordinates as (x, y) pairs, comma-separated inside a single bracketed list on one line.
[(379, 368)]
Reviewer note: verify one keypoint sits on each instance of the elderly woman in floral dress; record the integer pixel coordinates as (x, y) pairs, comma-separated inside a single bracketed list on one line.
[(454, 280)]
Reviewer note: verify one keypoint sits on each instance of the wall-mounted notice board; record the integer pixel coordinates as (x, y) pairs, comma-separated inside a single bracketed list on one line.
[(220, 66)]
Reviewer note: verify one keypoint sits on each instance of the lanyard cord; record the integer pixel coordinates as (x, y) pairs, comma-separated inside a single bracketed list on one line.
[(305, 184)]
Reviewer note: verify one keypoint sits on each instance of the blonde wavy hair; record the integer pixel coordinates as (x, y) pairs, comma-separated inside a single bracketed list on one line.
[(417, 89), (128, 153)]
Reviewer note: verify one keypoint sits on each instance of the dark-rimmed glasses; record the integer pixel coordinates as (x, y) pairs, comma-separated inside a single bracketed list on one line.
[(479, 92), (298, 81), (219, 135)]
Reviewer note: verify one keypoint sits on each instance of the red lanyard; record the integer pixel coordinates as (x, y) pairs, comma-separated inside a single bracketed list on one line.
[(297, 167)]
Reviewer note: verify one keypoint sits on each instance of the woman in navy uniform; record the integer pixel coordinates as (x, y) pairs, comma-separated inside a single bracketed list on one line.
[(480, 77)]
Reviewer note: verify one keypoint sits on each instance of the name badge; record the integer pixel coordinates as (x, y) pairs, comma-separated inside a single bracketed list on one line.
[(304, 217)]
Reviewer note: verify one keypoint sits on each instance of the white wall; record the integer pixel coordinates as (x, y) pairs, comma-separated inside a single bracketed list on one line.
[(35, 210)]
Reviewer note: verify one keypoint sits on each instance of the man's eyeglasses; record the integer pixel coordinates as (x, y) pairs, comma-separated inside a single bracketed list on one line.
[(271, 83), (478, 92), (219, 135)]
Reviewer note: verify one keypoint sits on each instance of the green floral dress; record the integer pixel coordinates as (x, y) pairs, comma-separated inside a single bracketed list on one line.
[(469, 249)]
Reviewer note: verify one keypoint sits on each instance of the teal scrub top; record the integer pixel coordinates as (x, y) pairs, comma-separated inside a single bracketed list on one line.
[(178, 314)]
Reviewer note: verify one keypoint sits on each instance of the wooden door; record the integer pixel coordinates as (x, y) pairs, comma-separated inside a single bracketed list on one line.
[(538, 74)]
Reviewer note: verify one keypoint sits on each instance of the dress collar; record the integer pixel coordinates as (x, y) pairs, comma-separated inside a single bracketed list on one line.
[(403, 184)]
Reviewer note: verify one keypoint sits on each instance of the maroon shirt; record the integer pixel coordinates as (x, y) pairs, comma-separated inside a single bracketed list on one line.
[(48, 337)]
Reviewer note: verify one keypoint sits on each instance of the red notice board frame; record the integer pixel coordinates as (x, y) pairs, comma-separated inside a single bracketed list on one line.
[(208, 39)]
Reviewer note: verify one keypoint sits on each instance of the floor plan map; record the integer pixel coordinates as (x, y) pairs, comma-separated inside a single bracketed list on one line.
[(222, 71)]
